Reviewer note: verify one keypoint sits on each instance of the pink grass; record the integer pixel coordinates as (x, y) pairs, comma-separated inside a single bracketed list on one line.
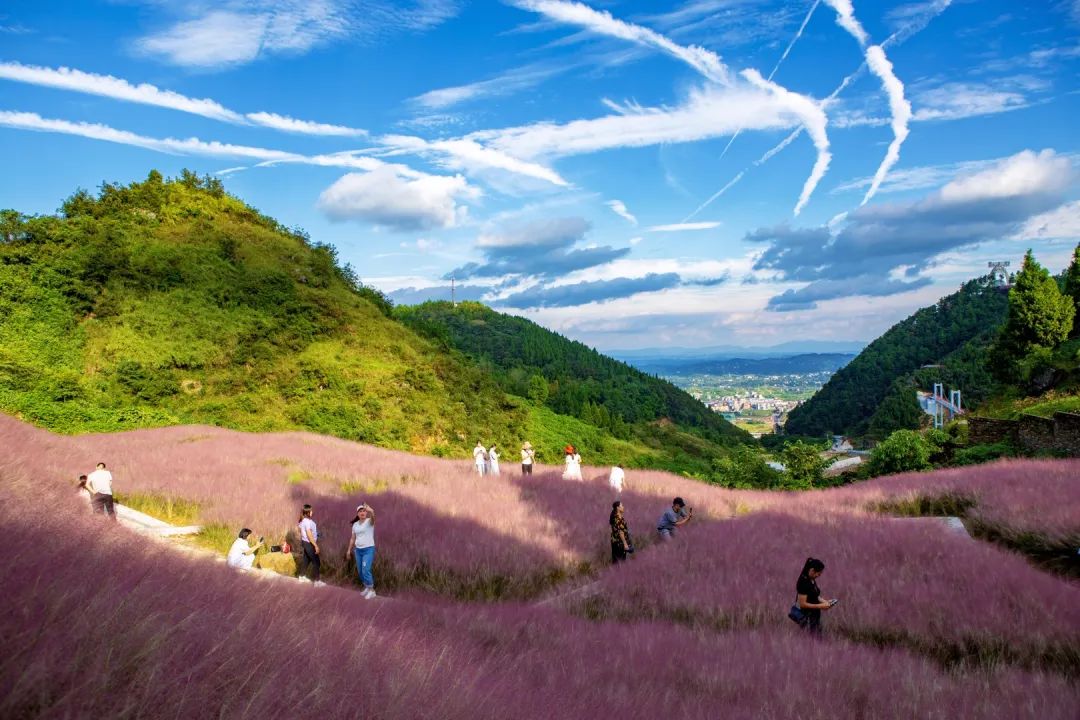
[(100, 623)]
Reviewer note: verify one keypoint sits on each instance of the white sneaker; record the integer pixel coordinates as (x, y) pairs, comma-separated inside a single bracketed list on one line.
[(301, 578), (369, 594), (320, 583)]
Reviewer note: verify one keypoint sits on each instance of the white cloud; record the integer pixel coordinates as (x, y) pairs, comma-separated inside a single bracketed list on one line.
[(1063, 222), (845, 18), (507, 83), (957, 100), (64, 78), (235, 32), (305, 127), (900, 109), (1025, 173), (704, 61), (684, 227), (469, 155), (187, 146), (619, 209), (397, 198), (216, 39)]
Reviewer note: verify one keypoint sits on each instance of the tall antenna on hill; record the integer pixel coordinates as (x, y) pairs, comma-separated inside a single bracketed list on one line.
[(453, 288)]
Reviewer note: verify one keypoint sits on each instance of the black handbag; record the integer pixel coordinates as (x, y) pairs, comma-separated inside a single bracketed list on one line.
[(797, 615)]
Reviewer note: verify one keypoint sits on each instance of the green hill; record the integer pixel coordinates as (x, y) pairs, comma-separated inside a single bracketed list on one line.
[(875, 393), (570, 378), (170, 302)]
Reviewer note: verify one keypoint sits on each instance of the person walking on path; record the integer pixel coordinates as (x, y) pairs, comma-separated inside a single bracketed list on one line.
[(242, 554), (808, 596), (309, 543), (616, 479), (362, 547), (620, 534), (672, 518), (99, 483), (493, 460), (527, 458), (479, 455), (573, 464)]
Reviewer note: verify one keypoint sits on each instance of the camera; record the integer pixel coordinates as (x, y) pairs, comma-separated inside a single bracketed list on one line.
[(275, 548)]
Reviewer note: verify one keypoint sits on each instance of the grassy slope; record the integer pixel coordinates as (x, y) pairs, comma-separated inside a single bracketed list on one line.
[(649, 422), (172, 302)]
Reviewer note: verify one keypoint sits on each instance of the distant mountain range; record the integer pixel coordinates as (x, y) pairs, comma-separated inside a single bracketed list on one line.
[(640, 356), (788, 365)]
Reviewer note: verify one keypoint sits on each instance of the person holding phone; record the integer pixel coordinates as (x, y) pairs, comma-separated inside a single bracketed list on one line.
[(242, 555), (674, 517), (362, 546), (808, 596)]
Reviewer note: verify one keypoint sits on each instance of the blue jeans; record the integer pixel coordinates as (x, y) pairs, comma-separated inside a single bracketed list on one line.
[(364, 559)]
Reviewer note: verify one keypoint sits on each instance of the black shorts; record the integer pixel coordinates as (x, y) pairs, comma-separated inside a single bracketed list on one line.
[(526, 469), (103, 504)]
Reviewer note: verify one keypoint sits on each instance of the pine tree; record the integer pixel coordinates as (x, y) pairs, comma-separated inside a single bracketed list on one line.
[(1040, 317), (1072, 288)]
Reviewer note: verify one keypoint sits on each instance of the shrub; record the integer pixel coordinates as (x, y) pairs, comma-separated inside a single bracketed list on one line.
[(978, 454), (803, 464), (903, 451)]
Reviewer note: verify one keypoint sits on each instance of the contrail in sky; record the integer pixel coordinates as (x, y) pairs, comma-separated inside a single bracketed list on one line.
[(727, 147), (897, 38)]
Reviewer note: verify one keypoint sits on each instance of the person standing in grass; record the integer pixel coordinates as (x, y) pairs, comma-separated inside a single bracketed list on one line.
[(808, 596), (309, 542), (242, 554), (99, 483), (479, 455), (527, 458), (620, 534), (573, 464), (362, 546), (616, 479), (493, 460), (672, 518)]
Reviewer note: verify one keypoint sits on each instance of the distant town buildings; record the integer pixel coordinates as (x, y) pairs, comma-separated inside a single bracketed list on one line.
[(752, 401)]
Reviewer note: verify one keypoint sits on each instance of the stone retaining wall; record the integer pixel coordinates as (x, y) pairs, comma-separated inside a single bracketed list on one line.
[(1031, 432)]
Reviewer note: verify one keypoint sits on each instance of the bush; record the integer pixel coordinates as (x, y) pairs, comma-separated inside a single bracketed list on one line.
[(804, 466), (743, 468), (978, 454), (903, 451)]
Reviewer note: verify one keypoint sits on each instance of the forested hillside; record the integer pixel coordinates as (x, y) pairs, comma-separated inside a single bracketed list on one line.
[(164, 302), (875, 393), (570, 378)]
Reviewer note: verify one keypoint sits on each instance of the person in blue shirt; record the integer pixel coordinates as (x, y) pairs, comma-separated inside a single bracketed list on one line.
[(674, 517)]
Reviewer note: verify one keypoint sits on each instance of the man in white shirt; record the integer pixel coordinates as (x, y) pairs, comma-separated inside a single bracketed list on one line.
[(616, 478), (99, 483), (242, 555)]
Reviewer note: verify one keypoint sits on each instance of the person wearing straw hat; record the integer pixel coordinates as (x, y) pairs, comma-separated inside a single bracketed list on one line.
[(527, 457), (362, 547)]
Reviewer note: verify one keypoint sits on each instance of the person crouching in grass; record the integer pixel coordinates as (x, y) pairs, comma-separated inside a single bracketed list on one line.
[(362, 546), (242, 554)]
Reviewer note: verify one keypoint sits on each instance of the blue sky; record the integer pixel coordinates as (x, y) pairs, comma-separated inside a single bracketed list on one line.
[(632, 174)]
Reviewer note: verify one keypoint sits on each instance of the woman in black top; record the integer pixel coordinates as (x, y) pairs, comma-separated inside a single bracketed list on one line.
[(809, 596), (620, 534)]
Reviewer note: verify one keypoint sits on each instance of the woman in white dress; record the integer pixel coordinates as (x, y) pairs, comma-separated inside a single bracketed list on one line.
[(493, 461), (573, 464)]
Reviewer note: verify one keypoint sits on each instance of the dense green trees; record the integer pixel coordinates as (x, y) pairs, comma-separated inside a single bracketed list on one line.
[(1040, 318), (1072, 288), (874, 381), (567, 376)]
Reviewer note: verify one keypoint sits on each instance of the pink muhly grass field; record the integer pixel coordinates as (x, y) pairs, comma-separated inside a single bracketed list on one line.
[(443, 529), (102, 623), (907, 582)]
